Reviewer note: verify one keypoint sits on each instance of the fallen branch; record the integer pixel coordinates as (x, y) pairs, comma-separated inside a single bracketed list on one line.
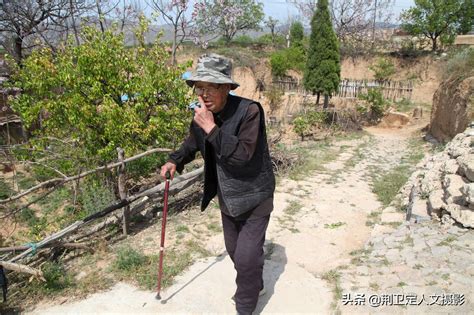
[(64, 245), (23, 269), (140, 205), (117, 205), (60, 181)]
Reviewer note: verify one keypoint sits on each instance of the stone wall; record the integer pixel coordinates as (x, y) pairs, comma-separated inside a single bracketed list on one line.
[(443, 185)]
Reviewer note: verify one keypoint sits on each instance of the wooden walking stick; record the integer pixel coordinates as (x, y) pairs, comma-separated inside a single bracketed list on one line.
[(162, 242)]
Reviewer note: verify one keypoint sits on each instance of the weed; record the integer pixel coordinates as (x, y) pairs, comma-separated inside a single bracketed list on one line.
[(56, 277), (432, 282), (294, 230), (128, 259), (5, 190), (408, 240), (418, 266), (333, 277), (401, 284), (447, 241), (293, 208), (182, 228), (374, 286), (445, 276), (214, 227), (386, 187), (334, 225)]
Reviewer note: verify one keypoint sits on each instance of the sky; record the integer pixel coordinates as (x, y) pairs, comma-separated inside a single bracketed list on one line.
[(283, 11)]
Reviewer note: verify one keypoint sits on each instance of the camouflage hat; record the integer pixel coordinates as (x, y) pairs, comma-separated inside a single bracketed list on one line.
[(213, 68)]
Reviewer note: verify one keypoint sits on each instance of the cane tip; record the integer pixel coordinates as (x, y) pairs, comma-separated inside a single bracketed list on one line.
[(158, 296)]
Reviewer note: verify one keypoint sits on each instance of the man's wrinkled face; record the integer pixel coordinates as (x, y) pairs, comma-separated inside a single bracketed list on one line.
[(212, 95)]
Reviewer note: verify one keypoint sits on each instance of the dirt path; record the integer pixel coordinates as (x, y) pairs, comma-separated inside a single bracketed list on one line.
[(317, 222)]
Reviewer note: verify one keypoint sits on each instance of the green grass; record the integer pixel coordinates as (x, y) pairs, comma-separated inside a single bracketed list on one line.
[(387, 186), (334, 225), (293, 208), (182, 229), (333, 277), (447, 241), (131, 264), (214, 227)]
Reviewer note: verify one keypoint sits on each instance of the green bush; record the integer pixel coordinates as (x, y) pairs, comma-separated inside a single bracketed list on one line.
[(460, 65), (306, 122), (56, 277), (375, 104), (5, 190), (279, 63), (290, 58), (266, 40), (383, 69), (94, 196), (128, 259), (243, 40)]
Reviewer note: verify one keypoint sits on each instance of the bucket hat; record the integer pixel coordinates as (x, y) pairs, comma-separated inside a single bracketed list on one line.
[(212, 68)]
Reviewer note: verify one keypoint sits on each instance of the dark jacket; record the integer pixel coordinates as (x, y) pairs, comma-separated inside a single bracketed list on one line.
[(243, 184)]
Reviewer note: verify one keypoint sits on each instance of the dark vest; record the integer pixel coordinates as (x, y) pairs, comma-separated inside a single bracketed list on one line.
[(245, 186)]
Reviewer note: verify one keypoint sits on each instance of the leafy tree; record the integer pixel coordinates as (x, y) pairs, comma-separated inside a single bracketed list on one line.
[(226, 17), (296, 34), (104, 95), (322, 73), (271, 23), (438, 20)]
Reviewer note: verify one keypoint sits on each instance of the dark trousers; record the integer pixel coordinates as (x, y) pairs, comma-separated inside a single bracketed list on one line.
[(244, 241)]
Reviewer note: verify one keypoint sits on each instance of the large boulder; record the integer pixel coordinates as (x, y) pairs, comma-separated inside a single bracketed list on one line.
[(452, 108)]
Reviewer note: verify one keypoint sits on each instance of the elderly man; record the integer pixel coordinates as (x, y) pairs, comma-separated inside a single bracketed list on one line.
[(229, 131)]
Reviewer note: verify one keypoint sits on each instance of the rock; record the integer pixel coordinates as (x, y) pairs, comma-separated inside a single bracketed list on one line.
[(466, 165), (436, 203), (453, 185), (451, 113), (388, 217), (419, 211), (450, 166), (417, 112), (431, 182), (394, 119), (468, 193), (459, 146), (461, 214)]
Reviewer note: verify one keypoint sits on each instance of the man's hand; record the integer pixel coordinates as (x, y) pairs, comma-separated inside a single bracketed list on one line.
[(203, 117), (168, 167)]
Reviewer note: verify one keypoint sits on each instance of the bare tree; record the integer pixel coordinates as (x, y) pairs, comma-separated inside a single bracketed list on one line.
[(173, 13), (22, 19), (353, 20)]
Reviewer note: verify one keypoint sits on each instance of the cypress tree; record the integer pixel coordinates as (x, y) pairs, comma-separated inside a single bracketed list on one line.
[(323, 69)]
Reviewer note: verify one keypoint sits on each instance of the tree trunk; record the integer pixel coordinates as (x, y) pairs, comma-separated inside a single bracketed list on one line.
[(18, 49), (326, 101), (317, 98), (174, 47), (434, 45)]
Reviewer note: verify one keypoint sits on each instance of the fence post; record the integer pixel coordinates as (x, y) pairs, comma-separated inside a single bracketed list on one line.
[(122, 190)]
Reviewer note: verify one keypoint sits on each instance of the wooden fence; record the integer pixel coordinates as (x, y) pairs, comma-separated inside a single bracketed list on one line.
[(349, 88)]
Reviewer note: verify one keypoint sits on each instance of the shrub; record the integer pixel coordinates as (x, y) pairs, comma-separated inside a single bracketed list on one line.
[(383, 69), (290, 58), (460, 65), (128, 259), (375, 104), (274, 96), (243, 40), (279, 63), (56, 277)]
